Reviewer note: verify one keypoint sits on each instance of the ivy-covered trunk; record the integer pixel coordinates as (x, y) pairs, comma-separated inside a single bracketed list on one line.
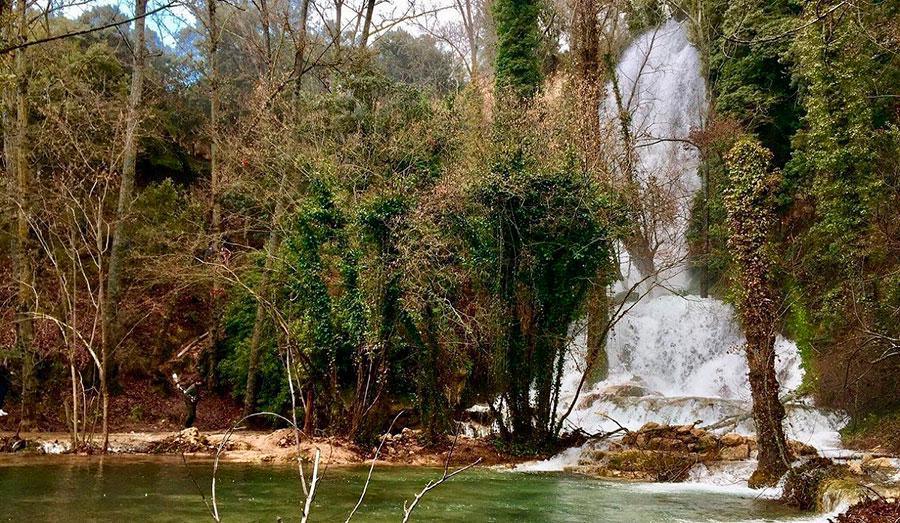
[(768, 412), (750, 219)]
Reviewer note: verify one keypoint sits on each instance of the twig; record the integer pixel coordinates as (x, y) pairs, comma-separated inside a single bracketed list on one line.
[(312, 487), (196, 485), (407, 511), (372, 467)]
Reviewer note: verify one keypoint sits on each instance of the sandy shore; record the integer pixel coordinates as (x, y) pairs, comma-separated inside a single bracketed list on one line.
[(265, 447)]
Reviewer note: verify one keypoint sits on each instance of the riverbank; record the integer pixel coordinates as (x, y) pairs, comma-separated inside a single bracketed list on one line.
[(280, 446)]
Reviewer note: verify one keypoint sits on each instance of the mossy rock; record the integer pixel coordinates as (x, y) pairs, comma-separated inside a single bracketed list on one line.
[(840, 491), (655, 465), (804, 484)]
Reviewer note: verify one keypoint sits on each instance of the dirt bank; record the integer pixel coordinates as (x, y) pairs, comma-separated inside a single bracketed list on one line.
[(279, 446)]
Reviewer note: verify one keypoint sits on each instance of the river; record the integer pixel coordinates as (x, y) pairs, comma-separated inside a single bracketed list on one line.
[(129, 489)]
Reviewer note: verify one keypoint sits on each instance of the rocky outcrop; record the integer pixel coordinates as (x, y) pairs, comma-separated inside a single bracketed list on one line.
[(667, 452)]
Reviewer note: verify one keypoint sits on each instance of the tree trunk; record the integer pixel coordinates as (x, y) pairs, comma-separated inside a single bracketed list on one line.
[(768, 412), (472, 35), (215, 206), (252, 388), (338, 29), (21, 255), (267, 34), (104, 394), (597, 361), (126, 185), (300, 49), (590, 91), (367, 24), (73, 376), (751, 217)]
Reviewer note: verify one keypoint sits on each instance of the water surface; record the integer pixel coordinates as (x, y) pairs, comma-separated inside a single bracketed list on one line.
[(163, 490)]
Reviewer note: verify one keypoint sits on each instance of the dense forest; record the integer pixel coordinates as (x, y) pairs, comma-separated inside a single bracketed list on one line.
[(339, 211)]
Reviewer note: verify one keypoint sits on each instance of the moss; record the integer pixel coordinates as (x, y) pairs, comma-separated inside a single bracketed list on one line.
[(836, 492), (799, 327), (656, 465)]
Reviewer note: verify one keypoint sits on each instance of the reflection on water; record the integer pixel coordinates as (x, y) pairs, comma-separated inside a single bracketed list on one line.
[(126, 489)]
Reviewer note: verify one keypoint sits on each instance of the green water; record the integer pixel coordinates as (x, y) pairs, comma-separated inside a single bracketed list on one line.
[(129, 490)]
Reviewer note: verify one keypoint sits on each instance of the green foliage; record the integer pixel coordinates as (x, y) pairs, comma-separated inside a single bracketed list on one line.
[(799, 327), (810, 82), (748, 199), (751, 217), (518, 38), (273, 394), (540, 230), (643, 15), (750, 71)]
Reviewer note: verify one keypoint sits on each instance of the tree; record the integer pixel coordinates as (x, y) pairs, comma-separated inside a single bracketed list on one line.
[(16, 119), (751, 219), (517, 67), (126, 188)]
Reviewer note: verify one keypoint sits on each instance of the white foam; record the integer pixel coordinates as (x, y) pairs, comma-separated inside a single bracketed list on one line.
[(54, 447)]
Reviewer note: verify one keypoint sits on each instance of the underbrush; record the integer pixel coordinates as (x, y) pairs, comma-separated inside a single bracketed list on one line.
[(874, 431)]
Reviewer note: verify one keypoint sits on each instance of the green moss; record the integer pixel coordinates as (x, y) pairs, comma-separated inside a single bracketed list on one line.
[(799, 327)]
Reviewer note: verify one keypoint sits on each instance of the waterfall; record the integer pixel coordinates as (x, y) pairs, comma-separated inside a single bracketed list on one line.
[(674, 358), (662, 89)]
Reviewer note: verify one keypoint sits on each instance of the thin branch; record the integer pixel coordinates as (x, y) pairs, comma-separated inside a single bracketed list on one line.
[(9, 49), (372, 467)]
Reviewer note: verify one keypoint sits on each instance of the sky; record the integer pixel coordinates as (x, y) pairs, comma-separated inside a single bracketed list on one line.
[(168, 23)]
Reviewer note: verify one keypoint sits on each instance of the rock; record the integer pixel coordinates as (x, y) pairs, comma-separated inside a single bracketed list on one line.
[(188, 440), (732, 440), (589, 399), (799, 449), (736, 453), (803, 484), (706, 442), (881, 469), (627, 390), (667, 444), (879, 464)]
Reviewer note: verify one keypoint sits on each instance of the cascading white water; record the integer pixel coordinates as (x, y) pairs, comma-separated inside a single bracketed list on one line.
[(674, 358), (665, 95)]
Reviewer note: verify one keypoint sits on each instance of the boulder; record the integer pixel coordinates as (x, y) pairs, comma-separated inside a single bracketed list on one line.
[(735, 453), (803, 485), (732, 440)]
